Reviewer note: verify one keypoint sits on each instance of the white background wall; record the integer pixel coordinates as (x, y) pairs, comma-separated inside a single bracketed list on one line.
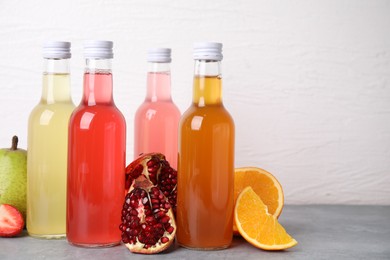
[(307, 82)]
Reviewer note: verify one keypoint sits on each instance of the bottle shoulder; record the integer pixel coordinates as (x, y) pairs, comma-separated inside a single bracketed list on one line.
[(50, 115), (206, 110), (209, 114), (161, 108), (99, 113), (55, 109)]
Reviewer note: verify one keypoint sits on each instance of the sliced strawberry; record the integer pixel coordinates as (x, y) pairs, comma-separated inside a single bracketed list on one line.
[(11, 221)]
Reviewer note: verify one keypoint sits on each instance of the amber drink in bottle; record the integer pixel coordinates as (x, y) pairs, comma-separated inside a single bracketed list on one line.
[(206, 159)]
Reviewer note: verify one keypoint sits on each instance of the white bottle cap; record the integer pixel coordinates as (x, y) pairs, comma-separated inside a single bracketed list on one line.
[(159, 55), (98, 49), (208, 51), (56, 50)]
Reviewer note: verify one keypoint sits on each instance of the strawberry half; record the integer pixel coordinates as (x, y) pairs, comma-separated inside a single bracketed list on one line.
[(11, 221)]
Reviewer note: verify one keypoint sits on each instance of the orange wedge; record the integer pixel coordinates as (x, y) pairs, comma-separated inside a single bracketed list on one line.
[(257, 226), (264, 184)]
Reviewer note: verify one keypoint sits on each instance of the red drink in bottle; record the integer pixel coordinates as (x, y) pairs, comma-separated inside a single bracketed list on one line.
[(96, 161)]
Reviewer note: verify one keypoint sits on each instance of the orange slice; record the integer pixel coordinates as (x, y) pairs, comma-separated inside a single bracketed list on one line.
[(264, 184), (257, 226)]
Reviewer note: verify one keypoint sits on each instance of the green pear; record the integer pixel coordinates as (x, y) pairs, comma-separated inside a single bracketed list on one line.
[(13, 176)]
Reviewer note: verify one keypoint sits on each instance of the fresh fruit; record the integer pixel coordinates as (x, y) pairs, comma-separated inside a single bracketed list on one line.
[(257, 226), (157, 170), (11, 221), (148, 224), (13, 176), (264, 184)]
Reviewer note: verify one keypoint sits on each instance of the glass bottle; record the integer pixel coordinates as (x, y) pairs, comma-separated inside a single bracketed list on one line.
[(97, 152), (157, 119), (206, 159), (48, 146)]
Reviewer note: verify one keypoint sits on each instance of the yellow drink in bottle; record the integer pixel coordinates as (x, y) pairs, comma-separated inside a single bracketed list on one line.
[(47, 152)]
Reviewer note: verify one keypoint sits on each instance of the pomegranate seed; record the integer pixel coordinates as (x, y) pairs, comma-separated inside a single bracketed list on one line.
[(134, 224), (134, 203), (152, 169), (158, 226), (164, 240), (160, 214), (148, 229), (133, 218), (133, 232), (149, 219), (125, 238), (165, 219), (151, 162), (145, 200), (142, 238), (170, 229)]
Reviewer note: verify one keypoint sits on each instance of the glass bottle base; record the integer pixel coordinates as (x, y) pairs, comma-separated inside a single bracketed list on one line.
[(204, 248), (47, 236), (95, 245)]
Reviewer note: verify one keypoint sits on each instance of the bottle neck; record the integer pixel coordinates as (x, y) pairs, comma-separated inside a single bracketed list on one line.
[(98, 82), (56, 81), (158, 86), (207, 88)]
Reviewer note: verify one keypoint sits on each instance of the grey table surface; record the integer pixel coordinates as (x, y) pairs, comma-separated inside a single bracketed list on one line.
[(322, 232)]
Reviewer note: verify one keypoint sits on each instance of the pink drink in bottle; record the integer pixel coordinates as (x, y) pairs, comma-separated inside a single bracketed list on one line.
[(96, 161), (156, 120)]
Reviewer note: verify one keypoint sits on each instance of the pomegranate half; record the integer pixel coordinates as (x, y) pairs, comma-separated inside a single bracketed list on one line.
[(148, 223)]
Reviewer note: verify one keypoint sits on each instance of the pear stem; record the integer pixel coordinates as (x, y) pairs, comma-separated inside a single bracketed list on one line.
[(15, 141)]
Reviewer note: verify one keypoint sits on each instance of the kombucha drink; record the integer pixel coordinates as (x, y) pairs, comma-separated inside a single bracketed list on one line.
[(48, 147), (206, 159), (97, 149), (157, 119)]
